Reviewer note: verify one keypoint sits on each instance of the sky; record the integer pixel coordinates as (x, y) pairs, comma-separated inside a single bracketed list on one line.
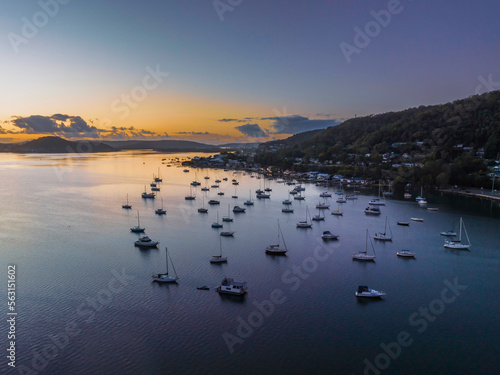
[(233, 70)]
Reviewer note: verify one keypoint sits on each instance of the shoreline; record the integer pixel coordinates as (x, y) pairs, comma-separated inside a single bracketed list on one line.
[(471, 194)]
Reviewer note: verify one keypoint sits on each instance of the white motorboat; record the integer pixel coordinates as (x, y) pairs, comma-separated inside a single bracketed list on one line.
[(407, 196), (457, 244), (145, 241), (277, 249), (363, 255), (365, 292), (165, 277), (405, 254), (372, 211), (229, 286), (376, 202), (418, 219), (327, 235)]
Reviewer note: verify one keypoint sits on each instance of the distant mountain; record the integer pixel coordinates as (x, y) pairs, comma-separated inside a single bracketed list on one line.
[(169, 145), (56, 145), (240, 145), (292, 140)]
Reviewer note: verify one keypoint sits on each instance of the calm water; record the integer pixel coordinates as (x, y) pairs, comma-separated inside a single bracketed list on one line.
[(63, 226)]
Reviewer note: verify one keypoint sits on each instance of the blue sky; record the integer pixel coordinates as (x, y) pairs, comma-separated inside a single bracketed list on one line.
[(262, 60)]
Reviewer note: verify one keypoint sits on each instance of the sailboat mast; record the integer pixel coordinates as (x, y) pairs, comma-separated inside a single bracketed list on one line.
[(460, 236), (166, 258)]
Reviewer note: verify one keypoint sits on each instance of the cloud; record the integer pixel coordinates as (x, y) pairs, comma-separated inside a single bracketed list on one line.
[(72, 126), (235, 119), (297, 124), (76, 127), (252, 130), (194, 133)]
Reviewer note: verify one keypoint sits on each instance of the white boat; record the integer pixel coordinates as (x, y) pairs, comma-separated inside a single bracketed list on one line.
[(287, 202), (376, 202), (145, 241), (363, 255), (306, 223), (384, 236), (259, 191), (138, 228), (327, 235), (299, 197), (165, 277), (451, 232), (405, 254), (372, 211), (277, 249), (319, 216), (365, 292), (322, 206), (160, 211), (203, 209), (432, 209), (407, 196), (419, 219), (422, 203), (299, 188), (229, 286), (219, 258), (457, 244), (217, 224), (351, 197), (249, 202), (127, 206), (325, 194), (238, 209), (147, 195), (228, 218)]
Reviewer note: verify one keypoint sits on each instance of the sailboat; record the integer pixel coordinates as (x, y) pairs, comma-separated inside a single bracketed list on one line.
[(203, 209), (138, 228), (127, 206), (190, 197), (165, 277), (337, 212), (217, 224), (383, 236), (457, 244), (235, 196), (450, 233), (249, 201), (276, 249), (219, 258), (363, 255), (160, 211), (420, 199), (146, 195), (228, 218), (158, 178), (306, 223), (320, 216), (377, 201), (322, 206)]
